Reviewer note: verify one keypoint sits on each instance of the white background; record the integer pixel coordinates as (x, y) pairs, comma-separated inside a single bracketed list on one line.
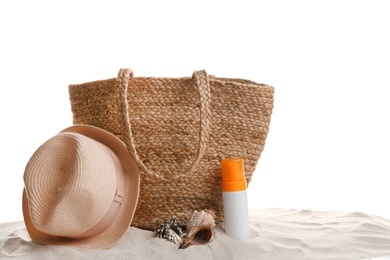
[(329, 140)]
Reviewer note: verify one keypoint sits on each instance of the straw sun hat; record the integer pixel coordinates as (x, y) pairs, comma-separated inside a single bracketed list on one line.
[(81, 189)]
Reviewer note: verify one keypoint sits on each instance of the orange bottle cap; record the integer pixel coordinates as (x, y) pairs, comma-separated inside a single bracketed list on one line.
[(233, 176)]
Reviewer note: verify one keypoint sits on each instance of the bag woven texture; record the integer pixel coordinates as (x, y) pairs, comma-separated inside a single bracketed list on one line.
[(179, 130)]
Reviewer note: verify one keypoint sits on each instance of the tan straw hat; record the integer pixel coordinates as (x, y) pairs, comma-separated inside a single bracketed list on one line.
[(81, 189)]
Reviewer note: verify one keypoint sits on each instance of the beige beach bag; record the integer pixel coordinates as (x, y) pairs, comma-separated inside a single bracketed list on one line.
[(178, 130)]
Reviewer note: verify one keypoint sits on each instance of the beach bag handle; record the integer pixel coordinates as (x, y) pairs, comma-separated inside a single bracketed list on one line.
[(126, 78)]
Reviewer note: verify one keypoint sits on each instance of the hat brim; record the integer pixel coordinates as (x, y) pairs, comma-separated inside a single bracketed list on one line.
[(123, 220)]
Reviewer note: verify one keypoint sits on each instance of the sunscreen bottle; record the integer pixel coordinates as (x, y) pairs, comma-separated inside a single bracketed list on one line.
[(235, 201)]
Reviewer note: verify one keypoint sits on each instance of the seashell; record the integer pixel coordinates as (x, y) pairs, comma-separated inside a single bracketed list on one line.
[(175, 226), (171, 231), (199, 228), (172, 236)]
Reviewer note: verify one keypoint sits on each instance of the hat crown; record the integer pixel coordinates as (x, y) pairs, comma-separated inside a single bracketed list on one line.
[(70, 182)]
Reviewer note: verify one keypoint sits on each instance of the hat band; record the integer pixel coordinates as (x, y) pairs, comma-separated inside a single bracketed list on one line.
[(116, 204)]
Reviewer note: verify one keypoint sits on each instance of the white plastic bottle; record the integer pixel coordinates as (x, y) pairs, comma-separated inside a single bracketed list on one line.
[(235, 201)]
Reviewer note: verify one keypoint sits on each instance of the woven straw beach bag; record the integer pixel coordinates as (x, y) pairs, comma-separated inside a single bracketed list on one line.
[(179, 130)]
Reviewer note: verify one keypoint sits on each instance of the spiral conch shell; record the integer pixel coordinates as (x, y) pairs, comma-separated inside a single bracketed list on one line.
[(199, 228)]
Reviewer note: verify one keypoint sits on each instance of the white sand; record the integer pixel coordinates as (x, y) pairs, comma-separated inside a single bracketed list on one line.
[(276, 234)]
